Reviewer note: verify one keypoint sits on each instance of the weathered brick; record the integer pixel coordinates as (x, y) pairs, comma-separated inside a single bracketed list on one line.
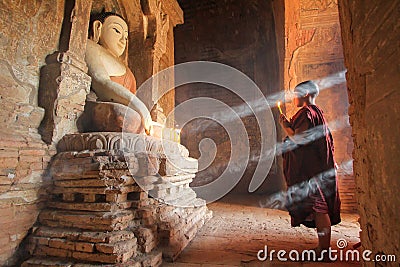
[(54, 252), (117, 248), (61, 243), (8, 153), (30, 158), (32, 152), (41, 240), (104, 258), (84, 247), (8, 162)]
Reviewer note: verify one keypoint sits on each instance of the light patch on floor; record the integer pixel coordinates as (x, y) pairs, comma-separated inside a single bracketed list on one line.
[(240, 228)]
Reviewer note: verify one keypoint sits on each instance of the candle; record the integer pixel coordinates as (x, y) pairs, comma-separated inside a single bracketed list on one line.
[(156, 129), (279, 107), (178, 135), (151, 130)]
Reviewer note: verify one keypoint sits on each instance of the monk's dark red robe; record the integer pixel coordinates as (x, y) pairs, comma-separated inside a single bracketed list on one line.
[(309, 169)]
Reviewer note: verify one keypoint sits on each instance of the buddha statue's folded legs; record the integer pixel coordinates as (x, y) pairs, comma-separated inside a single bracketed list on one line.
[(110, 117)]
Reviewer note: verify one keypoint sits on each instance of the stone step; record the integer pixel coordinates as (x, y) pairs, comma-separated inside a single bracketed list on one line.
[(177, 243), (48, 262), (109, 207), (100, 221), (118, 257), (181, 225), (119, 246), (151, 259), (73, 234)]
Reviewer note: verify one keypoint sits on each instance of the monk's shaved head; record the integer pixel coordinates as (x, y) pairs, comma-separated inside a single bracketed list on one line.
[(307, 87)]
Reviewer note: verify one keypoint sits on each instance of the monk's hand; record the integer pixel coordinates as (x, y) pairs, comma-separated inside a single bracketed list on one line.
[(284, 121), (336, 166)]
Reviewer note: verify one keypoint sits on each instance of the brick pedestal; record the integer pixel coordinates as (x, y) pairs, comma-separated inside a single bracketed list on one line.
[(117, 201)]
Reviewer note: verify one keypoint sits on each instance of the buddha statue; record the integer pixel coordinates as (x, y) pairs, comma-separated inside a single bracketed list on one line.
[(113, 83)]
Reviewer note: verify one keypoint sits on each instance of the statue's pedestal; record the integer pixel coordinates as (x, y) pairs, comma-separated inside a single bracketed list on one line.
[(117, 201)]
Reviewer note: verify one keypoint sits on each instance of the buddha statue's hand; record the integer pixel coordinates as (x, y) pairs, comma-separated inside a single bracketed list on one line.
[(147, 122)]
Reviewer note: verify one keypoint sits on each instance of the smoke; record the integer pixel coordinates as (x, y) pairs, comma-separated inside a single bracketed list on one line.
[(332, 80), (310, 135), (240, 111), (299, 192), (346, 168)]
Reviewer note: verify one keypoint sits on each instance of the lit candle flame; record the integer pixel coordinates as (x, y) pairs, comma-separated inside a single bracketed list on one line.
[(279, 107)]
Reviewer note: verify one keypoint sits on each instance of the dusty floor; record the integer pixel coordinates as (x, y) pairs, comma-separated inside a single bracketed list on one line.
[(239, 229)]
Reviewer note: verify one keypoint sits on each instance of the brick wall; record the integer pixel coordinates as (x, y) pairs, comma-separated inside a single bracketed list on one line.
[(240, 34), (30, 31), (371, 32)]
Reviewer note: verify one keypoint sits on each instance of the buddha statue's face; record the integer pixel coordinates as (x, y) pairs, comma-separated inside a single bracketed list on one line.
[(114, 35)]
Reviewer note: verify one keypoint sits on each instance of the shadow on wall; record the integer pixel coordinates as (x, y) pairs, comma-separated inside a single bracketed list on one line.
[(47, 96)]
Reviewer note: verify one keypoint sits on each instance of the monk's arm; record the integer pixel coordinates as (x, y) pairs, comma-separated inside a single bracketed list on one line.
[(295, 129), (286, 125), (289, 131), (300, 131)]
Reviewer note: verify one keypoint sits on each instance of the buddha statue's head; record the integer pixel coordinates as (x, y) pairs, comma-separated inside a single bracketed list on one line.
[(109, 30)]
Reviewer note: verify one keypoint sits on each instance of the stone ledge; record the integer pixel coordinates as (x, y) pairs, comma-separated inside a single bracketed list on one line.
[(126, 142)]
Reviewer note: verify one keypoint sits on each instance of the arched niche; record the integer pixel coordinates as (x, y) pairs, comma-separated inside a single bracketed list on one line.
[(151, 42)]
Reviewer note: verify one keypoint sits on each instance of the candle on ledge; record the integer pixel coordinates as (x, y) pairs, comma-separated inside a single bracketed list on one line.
[(279, 107), (156, 129), (177, 135)]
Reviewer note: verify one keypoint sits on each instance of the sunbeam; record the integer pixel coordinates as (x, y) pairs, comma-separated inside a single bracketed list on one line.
[(259, 105), (300, 191), (305, 137)]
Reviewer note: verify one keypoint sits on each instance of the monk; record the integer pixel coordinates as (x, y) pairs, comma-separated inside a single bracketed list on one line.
[(106, 58), (309, 168)]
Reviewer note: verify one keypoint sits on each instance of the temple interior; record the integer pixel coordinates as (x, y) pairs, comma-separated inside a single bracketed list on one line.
[(82, 185)]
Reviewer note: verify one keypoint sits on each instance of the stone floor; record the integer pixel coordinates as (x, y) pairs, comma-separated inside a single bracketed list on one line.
[(240, 228)]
